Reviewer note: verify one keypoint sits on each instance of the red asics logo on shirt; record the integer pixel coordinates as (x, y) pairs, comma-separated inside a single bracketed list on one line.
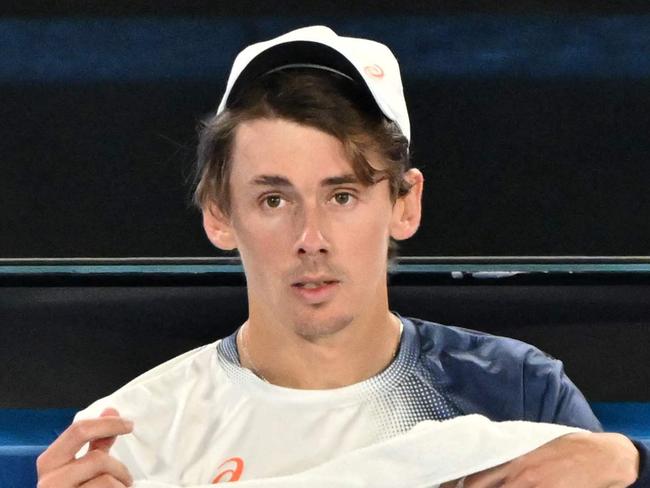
[(234, 468)]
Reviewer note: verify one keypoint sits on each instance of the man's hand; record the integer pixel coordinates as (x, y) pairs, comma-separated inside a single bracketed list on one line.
[(58, 468), (574, 460)]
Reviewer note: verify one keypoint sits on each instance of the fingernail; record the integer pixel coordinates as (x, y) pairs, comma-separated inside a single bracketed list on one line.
[(128, 424)]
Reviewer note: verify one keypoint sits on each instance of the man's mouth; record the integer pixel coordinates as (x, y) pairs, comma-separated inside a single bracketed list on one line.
[(314, 284), (314, 290)]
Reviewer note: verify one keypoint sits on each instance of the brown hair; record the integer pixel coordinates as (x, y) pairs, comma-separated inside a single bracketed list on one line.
[(322, 100), (319, 99)]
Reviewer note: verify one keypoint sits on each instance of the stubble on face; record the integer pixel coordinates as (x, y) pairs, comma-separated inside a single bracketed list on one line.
[(311, 322), (280, 147), (313, 329)]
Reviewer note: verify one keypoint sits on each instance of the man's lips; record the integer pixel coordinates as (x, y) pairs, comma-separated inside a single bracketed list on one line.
[(314, 284), (316, 291), (314, 281)]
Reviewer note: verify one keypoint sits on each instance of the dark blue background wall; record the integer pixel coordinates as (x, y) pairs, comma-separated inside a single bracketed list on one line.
[(531, 124)]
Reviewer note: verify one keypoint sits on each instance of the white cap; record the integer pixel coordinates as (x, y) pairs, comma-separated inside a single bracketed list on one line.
[(320, 47)]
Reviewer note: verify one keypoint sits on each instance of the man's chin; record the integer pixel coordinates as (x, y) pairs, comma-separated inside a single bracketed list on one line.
[(314, 326)]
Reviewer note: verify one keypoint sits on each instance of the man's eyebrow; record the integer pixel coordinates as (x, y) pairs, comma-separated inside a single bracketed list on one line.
[(270, 180), (277, 180), (340, 180)]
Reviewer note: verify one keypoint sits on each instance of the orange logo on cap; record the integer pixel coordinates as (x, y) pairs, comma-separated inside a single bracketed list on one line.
[(374, 70), (233, 472)]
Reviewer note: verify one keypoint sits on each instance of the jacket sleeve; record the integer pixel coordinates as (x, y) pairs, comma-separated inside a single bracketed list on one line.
[(550, 396), (643, 481)]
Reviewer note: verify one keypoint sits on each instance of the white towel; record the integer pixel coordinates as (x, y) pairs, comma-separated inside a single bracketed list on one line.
[(429, 454)]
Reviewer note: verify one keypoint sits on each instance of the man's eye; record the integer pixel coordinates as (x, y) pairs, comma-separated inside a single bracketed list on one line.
[(273, 201), (343, 198)]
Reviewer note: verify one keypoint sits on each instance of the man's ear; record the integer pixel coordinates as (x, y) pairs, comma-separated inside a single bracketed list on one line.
[(218, 227), (407, 210)]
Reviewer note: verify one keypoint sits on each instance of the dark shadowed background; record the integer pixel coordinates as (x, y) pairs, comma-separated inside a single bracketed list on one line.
[(530, 121)]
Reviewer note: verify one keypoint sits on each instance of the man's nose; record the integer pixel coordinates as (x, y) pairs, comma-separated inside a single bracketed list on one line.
[(311, 233)]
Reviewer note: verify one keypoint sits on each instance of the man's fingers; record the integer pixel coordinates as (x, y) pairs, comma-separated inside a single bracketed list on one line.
[(490, 478), (450, 484), (109, 412), (459, 483), (64, 448), (104, 481), (94, 465), (106, 443)]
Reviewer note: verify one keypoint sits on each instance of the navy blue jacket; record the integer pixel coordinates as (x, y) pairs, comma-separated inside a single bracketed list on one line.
[(505, 379)]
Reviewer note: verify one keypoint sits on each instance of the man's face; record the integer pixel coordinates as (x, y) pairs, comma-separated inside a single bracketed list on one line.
[(312, 239)]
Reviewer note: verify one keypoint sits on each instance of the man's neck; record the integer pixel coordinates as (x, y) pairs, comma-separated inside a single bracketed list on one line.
[(356, 353)]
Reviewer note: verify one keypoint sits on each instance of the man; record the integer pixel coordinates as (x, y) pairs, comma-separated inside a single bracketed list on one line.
[(304, 169)]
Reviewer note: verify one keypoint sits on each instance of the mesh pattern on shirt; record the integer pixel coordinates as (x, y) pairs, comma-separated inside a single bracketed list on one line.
[(411, 402), (397, 398)]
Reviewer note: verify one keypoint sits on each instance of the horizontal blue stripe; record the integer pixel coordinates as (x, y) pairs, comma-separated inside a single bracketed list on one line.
[(124, 269), (144, 49), (495, 271), (27, 428), (476, 270), (24, 429), (29, 450), (629, 418)]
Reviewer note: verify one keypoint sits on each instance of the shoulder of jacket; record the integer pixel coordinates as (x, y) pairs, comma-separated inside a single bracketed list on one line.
[(438, 338)]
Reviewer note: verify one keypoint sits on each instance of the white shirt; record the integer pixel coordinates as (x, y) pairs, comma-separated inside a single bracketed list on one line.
[(201, 418)]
